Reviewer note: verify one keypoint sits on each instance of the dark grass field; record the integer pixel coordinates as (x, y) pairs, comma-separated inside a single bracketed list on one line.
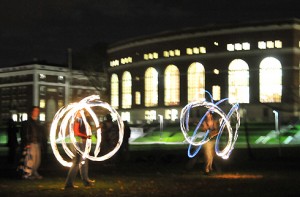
[(167, 173)]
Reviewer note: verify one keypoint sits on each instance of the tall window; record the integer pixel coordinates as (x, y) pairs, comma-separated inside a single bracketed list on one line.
[(151, 87), (172, 85), (126, 90), (216, 92), (196, 82), (114, 82), (270, 80), (238, 81)]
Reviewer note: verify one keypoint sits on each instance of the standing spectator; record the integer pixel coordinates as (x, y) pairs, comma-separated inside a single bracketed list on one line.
[(78, 162), (111, 131), (124, 149), (12, 141), (31, 138)]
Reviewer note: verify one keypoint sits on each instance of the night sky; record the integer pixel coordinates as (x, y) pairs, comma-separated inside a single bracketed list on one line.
[(45, 29)]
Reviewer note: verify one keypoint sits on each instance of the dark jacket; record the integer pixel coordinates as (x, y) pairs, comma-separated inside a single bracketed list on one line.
[(31, 132)]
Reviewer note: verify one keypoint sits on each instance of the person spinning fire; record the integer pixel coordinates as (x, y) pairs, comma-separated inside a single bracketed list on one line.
[(211, 125), (78, 161)]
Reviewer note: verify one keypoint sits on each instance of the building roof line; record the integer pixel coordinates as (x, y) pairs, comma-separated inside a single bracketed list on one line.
[(198, 32)]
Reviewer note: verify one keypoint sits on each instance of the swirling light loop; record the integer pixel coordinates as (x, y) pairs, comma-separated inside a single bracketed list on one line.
[(225, 123), (64, 120)]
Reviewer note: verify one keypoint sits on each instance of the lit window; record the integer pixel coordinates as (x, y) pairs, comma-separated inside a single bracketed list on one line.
[(230, 47), (246, 46), (238, 81), (167, 114), (262, 45), (166, 54), (172, 85), (42, 103), (138, 98), (151, 87), (177, 52), (150, 115), (24, 117), (126, 90), (171, 114), (114, 90), (237, 46), (270, 91), (146, 56), (114, 63), (216, 43), (171, 52), (189, 51), (202, 50), (125, 116), (42, 76), (60, 103), (123, 61), (216, 92), (270, 44), (42, 117), (196, 82), (15, 117), (278, 44), (155, 55), (196, 50), (150, 56)]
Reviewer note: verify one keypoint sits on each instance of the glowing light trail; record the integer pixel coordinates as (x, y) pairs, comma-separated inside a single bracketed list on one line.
[(226, 123), (63, 121)]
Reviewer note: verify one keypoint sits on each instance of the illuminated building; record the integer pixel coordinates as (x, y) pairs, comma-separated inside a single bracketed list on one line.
[(255, 64), (45, 86)]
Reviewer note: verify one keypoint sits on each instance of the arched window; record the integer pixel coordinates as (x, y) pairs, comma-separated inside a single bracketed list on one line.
[(238, 81), (172, 85), (151, 87), (270, 80), (114, 83), (196, 82), (126, 90)]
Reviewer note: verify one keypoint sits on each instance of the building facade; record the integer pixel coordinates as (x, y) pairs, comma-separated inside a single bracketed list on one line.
[(48, 87), (254, 64)]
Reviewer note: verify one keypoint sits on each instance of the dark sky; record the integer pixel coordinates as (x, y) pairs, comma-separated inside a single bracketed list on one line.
[(44, 29)]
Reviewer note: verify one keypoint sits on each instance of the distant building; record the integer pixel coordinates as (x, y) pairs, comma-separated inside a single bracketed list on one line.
[(255, 64), (48, 87)]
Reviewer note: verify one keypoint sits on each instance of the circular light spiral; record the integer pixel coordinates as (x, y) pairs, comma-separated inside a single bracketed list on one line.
[(63, 121), (226, 122)]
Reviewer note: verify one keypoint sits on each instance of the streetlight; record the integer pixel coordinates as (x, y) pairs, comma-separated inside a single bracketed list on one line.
[(277, 131), (161, 123)]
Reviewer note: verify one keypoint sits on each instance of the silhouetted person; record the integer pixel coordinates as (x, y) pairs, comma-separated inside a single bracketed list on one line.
[(111, 136), (12, 141), (32, 134), (124, 149)]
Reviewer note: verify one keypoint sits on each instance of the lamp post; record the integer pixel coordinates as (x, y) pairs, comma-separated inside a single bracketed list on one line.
[(277, 131), (161, 123)]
